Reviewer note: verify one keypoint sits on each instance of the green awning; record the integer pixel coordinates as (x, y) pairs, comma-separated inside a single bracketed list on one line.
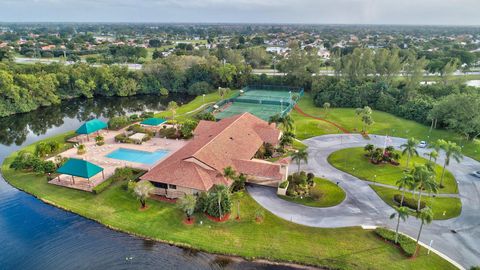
[(153, 121), (91, 126), (80, 168)]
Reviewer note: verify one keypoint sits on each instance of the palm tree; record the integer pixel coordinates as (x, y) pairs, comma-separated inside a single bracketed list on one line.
[(142, 191), (422, 177), (172, 106), (426, 216), (403, 183), (299, 156), (369, 149), (401, 213), (187, 204), (432, 156), (285, 121), (229, 173), (409, 148), (287, 138), (452, 150)]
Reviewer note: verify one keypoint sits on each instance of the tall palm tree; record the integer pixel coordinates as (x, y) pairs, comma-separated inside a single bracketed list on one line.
[(452, 150), (299, 156), (172, 106), (187, 204), (401, 213), (285, 121), (409, 148), (426, 216), (422, 176), (432, 156), (403, 183)]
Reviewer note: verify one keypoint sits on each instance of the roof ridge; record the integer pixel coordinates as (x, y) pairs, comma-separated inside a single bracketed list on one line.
[(221, 132)]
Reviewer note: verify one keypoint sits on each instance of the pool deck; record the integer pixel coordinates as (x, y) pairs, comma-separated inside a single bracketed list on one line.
[(97, 155)]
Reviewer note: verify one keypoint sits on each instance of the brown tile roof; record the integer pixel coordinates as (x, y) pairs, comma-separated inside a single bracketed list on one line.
[(258, 168), (200, 163)]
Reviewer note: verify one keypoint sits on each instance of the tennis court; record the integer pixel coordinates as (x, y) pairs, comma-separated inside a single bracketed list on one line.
[(262, 102)]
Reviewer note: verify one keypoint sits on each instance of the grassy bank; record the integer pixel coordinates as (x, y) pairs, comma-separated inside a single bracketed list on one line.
[(385, 123), (273, 238), (354, 162), (442, 207), (195, 106), (332, 195)]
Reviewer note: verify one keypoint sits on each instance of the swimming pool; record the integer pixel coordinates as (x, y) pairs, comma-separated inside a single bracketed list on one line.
[(138, 156)]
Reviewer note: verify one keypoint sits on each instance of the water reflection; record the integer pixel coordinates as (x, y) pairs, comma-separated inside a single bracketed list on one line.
[(14, 129)]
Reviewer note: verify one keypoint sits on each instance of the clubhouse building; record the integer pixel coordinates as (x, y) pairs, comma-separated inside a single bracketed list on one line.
[(199, 165)]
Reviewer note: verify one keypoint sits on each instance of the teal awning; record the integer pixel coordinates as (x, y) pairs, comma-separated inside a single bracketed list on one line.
[(80, 168), (91, 126), (153, 121)]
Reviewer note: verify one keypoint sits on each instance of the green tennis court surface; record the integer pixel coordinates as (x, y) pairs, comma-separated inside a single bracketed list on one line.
[(259, 102)]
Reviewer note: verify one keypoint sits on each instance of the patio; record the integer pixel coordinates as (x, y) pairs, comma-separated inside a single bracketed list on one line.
[(97, 155)]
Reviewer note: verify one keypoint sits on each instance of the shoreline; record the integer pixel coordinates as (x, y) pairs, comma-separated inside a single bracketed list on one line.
[(233, 257)]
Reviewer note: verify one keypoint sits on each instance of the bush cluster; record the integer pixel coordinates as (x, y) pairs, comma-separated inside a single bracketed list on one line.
[(29, 162), (120, 175), (169, 133), (300, 184), (407, 244)]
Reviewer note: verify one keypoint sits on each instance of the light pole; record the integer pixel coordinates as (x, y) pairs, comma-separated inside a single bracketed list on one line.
[(203, 98)]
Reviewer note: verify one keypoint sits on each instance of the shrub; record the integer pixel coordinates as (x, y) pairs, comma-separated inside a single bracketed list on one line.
[(146, 115), (28, 162), (310, 178), (283, 184), (238, 183), (316, 194), (408, 245), (134, 118), (118, 122), (122, 138), (187, 127), (205, 116), (201, 205), (81, 149), (214, 208), (408, 202), (120, 175), (169, 133)]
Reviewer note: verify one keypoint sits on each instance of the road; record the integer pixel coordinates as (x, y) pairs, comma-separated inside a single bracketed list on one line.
[(362, 206)]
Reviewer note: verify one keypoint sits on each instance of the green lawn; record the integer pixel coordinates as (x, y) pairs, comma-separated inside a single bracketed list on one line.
[(332, 195), (354, 162), (385, 123), (452, 207), (193, 106), (274, 238)]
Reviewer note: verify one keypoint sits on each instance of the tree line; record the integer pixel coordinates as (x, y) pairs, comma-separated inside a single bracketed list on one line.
[(371, 78)]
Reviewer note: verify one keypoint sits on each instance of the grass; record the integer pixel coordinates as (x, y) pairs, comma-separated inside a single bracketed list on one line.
[(354, 162), (273, 238), (385, 123), (332, 195), (189, 109), (451, 206)]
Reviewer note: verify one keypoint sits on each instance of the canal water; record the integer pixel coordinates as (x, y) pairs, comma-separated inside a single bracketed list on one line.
[(34, 235)]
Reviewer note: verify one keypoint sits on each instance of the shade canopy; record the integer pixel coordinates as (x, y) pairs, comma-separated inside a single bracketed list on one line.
[(91, 126), (153, 121), (80, 168)]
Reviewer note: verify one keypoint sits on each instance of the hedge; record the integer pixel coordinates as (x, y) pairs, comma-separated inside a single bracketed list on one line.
[(409, 202), (121, 174), (407, 244)]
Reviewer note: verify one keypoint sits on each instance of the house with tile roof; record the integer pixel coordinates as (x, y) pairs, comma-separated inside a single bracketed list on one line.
[(199, 165)]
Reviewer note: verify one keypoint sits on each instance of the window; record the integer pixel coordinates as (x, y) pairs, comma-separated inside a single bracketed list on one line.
[(172, 186), (159, 185)]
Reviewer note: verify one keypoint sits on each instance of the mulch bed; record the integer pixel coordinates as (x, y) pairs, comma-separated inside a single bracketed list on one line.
[(163, 199), (215, 219), (189, 222)]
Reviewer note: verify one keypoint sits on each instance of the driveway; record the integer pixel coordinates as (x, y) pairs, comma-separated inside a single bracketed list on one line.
[(362, 205)]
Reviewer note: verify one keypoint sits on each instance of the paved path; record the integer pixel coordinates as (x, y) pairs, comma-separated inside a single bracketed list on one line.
[(362, 206)]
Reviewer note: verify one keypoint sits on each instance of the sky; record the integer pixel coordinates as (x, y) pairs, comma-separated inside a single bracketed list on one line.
[(425, 12)]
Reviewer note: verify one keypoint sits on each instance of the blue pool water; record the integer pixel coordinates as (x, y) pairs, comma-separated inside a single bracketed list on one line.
[(138, 156)]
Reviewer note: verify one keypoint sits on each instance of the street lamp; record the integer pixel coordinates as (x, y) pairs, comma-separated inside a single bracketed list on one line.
[(375, 179), (203, 98)]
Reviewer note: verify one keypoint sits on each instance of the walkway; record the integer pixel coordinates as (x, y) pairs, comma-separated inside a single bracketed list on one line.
[(297, 108), (362, 206)]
